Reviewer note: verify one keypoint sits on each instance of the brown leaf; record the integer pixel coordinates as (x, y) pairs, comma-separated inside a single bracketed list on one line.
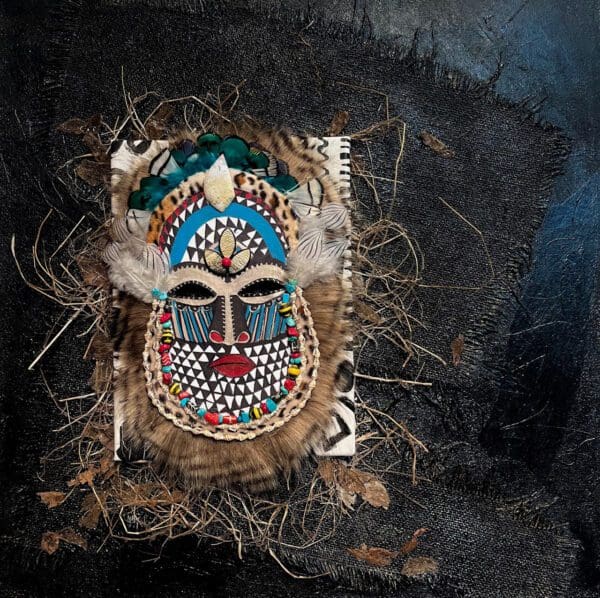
[(409, 546), (379, 557), (366, 312), (417, 566), (339, 122), (92, 172), (96, 147), (52, 499), (91, 507), (157, 125), (326, 470), (84, 477), (376, 494), (437, 145), (80, 126), (457, 346), (51, 540)]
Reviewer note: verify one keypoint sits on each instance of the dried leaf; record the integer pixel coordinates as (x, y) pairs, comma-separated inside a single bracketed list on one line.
[(417, 566), (92, 172), (80, 126), (378, 557), (376, 494), (326, 470), (96, 147), (50, 542), (91, 509), (52, 499), (366, 313), (339, 122), (84, 477), (409, 546), (437, 145), (157, 125), (457, 346)]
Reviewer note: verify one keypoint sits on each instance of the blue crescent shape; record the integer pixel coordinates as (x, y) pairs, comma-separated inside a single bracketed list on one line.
[(235, 210)]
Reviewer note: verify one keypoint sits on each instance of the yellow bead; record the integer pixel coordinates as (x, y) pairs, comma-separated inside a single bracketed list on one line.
[(256, 413), (175, 388), (293, 371), (285, 309)]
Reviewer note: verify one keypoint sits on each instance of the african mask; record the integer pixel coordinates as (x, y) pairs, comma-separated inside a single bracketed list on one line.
[(222, 240)]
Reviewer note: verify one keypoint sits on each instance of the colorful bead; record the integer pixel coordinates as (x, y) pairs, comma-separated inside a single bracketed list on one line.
[(264, 408), (163, 348), (243, 417), (293, 371), (166, 325), (167, 378), (295, 355), (220, 418), (271, 405), (290, 286), (212, 418), (292, 331), (184, 394), (256, 413), (175, 388), (156, 293), (230, 419), (165, 317), (285, 309), (226, 262), (285, 298), (165, 359), (184, 402), (201, 412), (290, 321), (289, 384), (296, 360), (284, 391), (166, 369)]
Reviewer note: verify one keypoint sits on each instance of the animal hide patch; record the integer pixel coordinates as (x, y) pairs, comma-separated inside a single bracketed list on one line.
[(231, 265)]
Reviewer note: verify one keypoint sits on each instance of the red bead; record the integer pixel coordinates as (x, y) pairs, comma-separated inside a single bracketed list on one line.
[(164, 347), (184, 394), (292, 331), (211, 418), (296, 355), (167, 378), (226, 262), (264, 408), (165, 318), (165, 359), (289, 384), (229, 419)]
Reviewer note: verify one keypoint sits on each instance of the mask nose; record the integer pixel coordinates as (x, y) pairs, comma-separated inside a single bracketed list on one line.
[(229, 325)]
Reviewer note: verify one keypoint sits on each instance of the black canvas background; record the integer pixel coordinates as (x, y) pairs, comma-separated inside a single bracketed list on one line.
[(489, 512)]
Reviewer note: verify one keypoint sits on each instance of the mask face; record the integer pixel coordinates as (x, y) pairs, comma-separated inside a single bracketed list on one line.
[(231, 348), (218, 246)]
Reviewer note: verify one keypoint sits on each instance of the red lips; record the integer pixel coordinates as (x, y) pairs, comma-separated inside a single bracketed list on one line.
[(233, 366)]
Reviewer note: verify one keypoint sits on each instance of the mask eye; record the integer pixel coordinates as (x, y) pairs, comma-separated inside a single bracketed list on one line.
[(191, 290), (261, 288)]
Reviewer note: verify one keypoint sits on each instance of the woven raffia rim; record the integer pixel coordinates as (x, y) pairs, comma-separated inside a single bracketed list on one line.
[(287, 409)]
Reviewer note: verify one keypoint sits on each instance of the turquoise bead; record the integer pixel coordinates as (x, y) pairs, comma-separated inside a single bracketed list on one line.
[(244, 417), (184, 402), (296, 360), (220, 418), (156, 293), (166, 369), (290, 286), (271, 405), (285, 298), (201, 412), (166, 324), (162, 296), (283, 391), (290, 322)]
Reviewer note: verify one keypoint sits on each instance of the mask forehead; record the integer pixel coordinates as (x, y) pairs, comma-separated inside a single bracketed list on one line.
[(196, 227)]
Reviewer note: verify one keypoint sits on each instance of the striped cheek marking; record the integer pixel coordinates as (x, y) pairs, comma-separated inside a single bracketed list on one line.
[(264, 321), (192, 323)]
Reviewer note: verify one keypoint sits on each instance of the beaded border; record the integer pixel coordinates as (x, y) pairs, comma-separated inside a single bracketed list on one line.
[(221, 429)]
